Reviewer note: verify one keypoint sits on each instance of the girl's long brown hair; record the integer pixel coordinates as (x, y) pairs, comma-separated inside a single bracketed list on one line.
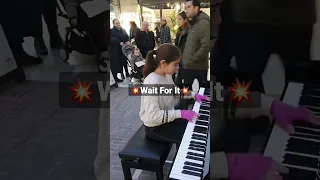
[(167, 52)]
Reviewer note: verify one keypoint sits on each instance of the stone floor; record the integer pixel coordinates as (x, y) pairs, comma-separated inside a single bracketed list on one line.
[(39, 140)]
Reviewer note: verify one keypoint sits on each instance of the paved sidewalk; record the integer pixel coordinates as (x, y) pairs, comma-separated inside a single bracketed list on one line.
[(124, 122), (39, 140)]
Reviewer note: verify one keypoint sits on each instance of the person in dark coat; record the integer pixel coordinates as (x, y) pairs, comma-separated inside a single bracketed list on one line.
[(180, 41), (133, 30), (18, 20), (145, 39), (49, 12), (118, 37)]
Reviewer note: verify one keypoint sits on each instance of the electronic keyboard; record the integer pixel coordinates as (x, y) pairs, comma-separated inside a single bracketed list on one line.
[(299, 151), (193, 156)]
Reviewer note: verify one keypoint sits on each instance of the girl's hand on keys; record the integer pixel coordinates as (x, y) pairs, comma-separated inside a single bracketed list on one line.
[(189, 115), (199, 98), (252, 166), (285, 115)]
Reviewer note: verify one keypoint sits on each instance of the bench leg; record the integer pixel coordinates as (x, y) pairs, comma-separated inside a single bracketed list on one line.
[(126, 171), (159, 174)]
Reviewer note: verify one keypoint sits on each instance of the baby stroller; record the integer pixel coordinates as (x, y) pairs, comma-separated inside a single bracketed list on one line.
[(78, 39), (136, 71)]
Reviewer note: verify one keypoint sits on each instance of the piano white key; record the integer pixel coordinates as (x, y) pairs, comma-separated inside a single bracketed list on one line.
[(307, 128), (301, 154), (177, 168), (279, 137), (300, 167)]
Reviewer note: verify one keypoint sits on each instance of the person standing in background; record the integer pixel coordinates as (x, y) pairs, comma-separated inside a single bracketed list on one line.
[(18, 20), (145, 39), (157, 30), (49, 12), (118, 37), (180, 42), (165, 36), (133, 30), (196, 51)]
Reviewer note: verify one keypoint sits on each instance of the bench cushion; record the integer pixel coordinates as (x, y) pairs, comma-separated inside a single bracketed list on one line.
[(144, 148)]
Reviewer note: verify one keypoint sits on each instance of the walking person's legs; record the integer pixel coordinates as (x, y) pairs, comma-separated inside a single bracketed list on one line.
[(39, 43), (50, 17)]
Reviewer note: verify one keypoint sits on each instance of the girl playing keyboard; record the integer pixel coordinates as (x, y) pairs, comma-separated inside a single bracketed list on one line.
[(162, 120)]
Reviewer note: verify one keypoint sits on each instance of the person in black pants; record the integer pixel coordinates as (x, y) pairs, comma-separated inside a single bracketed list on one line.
[(118, 37), (18, 20), (49, 12)]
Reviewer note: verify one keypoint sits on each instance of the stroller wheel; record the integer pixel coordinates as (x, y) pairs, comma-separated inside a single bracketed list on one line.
[(64, 54)]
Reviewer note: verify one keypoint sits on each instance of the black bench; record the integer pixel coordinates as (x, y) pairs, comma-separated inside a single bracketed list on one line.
[(144, 153)]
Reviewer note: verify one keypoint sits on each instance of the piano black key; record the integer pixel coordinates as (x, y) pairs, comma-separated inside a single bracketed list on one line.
[(206, 92), (197, 149), (193, 164), (308, 136), (204, 112), (303, 150), (195, 154), (197, 146), (202, 123), (308, 100), (315, 110), (297, 160), (306, 124), (205, 107), (200, 129), (311, 85), (314, 92), (297, 174), (198, 138), (193, 169), (306, 131), (195, 158), (191, 173), (303, 143), (203, 117), (199, 143)]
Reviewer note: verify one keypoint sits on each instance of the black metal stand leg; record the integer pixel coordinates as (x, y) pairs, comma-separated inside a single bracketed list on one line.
[(126, 171)]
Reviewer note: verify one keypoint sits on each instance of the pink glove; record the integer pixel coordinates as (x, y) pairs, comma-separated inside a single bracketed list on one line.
[(253, 167), (201, 98), (188, 114), (285, 115)]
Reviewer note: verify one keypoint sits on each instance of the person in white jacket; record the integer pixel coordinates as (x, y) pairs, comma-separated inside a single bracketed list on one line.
[(162, 121)]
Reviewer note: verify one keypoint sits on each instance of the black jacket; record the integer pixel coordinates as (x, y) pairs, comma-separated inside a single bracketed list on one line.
[(145, 41), (133, 32), (116, 57), (181, 39)]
